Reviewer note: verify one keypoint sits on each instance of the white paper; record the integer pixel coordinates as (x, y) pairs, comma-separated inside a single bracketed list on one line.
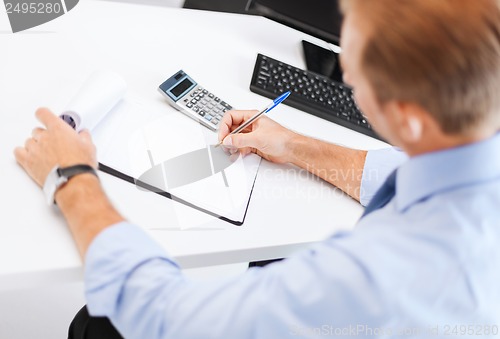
[(98, 95)]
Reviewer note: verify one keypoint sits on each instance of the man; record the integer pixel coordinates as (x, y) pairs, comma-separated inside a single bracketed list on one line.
[(422, 261)]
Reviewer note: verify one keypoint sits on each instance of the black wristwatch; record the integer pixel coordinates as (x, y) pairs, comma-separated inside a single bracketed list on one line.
[(59, 176)]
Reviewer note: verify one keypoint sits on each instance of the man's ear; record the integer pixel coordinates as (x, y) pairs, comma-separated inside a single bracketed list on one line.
[(409, 119)]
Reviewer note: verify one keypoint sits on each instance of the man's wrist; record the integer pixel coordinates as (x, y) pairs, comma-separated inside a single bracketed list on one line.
[(75, 186), (59, 176), (297, 145), (86, 208)]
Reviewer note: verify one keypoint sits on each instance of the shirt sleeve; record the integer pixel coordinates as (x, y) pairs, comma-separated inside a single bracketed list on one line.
[(131, 280), (378, 165)]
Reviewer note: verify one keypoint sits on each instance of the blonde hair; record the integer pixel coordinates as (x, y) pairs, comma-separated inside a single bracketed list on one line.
[(441, 54)]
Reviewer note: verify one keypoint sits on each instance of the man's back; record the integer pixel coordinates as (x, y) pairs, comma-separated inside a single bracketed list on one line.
[(434, 247)]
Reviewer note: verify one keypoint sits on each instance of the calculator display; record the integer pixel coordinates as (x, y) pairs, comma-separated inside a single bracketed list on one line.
[(182, 87)]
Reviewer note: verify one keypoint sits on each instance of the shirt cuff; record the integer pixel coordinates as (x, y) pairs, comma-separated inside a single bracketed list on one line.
[(111, 257), (378, 165)]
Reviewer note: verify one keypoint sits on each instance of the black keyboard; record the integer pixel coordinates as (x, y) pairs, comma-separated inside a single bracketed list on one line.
[(311, 93)]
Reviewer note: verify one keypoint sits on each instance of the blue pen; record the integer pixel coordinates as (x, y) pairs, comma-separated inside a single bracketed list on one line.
[(247, 123)]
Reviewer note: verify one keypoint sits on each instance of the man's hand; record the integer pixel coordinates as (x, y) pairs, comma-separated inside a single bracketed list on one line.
[(265, 137), (340, 166), (56, 144), (83, 203)]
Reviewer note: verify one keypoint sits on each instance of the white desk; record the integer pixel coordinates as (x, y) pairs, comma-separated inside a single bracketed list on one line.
[(145, 44)]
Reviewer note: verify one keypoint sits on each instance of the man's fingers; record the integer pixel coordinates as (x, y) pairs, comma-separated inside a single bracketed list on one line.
[(233, 118), (36, 133), (49, 119), (21, 155), (241, 140), (223, 130), (46, 117), (246, 151), (86, 136), (29, 144)]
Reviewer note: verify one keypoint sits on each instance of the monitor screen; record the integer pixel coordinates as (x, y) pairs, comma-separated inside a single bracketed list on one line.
[(320, 18)]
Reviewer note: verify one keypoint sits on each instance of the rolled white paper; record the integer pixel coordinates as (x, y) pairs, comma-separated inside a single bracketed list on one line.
[(98, 95)]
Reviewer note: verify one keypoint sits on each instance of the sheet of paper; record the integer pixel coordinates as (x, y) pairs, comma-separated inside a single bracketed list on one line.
[(169, 151)]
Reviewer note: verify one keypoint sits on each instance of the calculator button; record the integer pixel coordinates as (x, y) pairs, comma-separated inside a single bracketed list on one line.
[(201, 95), (217, 99), (211, 95), (194, 101), (196, 109), (189, 105), (205, 91), (210, 105), (204, 102), (202, 113), (197, 97), (208, 117)]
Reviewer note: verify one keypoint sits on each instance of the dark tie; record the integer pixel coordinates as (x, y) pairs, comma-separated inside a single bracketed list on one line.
[(384, 194)]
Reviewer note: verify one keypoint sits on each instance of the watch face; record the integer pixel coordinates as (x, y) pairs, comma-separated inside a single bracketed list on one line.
[(52, 183)]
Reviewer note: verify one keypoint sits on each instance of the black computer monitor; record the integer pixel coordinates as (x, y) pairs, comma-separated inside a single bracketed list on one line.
[(319, 18)]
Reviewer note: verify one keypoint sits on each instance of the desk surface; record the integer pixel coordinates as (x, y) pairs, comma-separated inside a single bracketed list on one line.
[(45, 66)]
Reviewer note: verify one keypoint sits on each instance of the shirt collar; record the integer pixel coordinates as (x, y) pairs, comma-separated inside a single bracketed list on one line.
[(432, 173)]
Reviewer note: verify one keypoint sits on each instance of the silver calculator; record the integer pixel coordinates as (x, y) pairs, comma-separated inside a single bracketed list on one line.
[(186, 95)]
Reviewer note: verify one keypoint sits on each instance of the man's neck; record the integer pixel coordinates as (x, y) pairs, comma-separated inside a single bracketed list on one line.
[(441, 141)]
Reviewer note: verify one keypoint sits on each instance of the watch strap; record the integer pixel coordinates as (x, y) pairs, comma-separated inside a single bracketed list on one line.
[(71, 171), (65, 174)]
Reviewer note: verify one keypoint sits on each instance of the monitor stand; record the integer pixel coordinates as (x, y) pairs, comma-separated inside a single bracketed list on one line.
[(322, 61)]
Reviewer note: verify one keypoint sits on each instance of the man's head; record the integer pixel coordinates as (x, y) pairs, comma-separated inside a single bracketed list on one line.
[(424, 68)]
